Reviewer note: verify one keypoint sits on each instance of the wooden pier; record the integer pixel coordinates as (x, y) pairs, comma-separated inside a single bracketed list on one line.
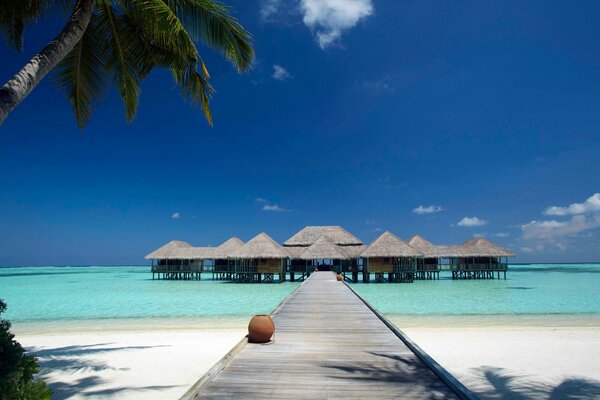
[(329, 344)]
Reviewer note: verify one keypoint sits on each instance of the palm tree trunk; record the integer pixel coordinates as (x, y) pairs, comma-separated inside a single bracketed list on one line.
[(16, 89)]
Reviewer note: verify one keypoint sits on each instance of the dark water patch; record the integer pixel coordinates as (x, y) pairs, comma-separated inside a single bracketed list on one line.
[(571, 270), (519, 287), (2, 275)]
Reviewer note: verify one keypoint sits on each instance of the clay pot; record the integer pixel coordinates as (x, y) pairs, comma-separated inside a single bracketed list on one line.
[(339, 277), (261, 328)]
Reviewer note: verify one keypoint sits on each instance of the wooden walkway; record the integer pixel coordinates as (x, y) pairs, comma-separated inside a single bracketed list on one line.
[(328, 345)]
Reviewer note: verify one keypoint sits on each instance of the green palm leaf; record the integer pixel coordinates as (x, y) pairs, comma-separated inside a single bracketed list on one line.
[(119, 63), (211, 23), (82, 75), (127, 39), (15, 15)]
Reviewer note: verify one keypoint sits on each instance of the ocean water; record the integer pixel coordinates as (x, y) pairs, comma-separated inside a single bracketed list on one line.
[(50, 294), (530, 289), (37, 294)]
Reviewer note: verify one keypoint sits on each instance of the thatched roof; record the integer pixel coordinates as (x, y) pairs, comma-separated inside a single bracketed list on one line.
[(478, 247), (418, 241), (353, 251), (389, 245), (167, 250), (323, 248), (295, 251), (481, 247), (260, 246), (310, 234), (227, 248)]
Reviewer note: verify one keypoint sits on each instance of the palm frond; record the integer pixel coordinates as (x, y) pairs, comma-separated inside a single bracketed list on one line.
[(13, 18), (212, 24), (194, 85), (15, 15), (82, 75), (162, 25), (120, 64), (195, 88)]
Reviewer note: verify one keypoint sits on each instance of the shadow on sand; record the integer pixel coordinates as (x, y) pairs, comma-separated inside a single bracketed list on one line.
[(499, 384), (490, 383), (72, 359)]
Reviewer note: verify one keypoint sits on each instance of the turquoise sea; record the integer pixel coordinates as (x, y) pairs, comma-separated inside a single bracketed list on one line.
[(41, 294)]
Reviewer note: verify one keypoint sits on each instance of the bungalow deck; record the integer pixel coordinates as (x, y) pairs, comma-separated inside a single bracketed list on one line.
[(329, 344)]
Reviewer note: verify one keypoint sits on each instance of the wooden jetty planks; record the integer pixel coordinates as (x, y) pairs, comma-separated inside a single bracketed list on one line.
[(328, 345)]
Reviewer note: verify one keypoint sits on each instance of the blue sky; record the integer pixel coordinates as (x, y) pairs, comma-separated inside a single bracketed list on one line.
[(448, 119)]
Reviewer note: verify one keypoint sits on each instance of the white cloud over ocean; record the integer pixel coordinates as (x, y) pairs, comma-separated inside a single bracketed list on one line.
[(592, 204), (560, 233)]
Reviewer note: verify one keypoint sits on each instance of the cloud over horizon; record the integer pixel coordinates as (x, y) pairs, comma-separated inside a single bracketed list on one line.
[(540, 235), (592, 204)]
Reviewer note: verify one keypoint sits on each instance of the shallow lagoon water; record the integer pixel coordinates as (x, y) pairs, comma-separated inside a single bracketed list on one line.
[(46, 294), (90, 293), (542, 289)]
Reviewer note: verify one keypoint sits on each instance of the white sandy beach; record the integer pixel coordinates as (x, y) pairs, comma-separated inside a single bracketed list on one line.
[(533, 361), (544, 359), (131, 363)]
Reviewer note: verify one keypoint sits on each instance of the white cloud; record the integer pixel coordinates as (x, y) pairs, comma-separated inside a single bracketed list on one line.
[(280, 73), (329, 18), (376, 230), (380, 85), (427, 209), (553, 229), (472, 221), (273, 207), (592, 204), (268, 8), (501, 234), (175, 215), (261, 200), (584, 216)]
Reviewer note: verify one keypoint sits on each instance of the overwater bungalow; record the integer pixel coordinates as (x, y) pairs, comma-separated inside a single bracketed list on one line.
[(475, 259), (222, 264), (388, 254), (338, 251), (481, 259), (323, 254), (330, 248), (259, 260), (172, 261)]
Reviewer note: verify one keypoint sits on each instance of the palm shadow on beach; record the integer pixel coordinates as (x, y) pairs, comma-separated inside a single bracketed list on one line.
[(500, 384), (494, 383), (74, 359)]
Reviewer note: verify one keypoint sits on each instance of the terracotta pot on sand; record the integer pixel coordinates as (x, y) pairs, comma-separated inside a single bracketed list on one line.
[(339, 277)]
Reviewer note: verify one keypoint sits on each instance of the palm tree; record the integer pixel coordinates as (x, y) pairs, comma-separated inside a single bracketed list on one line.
[(118, 42)]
